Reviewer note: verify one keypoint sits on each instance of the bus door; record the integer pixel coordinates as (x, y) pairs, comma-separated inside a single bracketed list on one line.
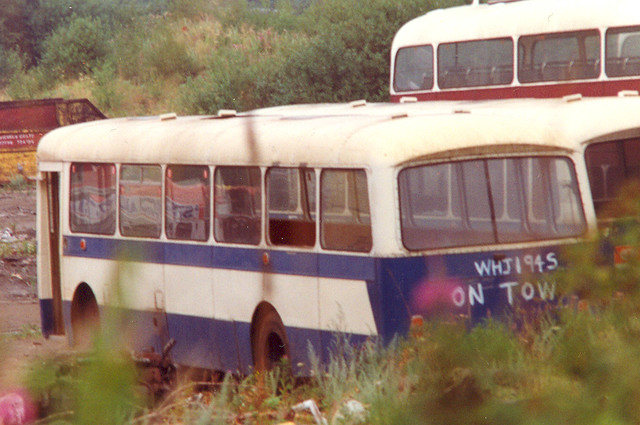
[(50, 240)]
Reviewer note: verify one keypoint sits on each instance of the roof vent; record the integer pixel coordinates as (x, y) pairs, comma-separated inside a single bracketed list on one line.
[(408, 99), (358, 103), (169, 116), (227, 113), (572, 97), (628, 93)]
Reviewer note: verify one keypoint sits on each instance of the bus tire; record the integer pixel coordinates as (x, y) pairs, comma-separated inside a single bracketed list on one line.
[(85, 316), (270, 345)]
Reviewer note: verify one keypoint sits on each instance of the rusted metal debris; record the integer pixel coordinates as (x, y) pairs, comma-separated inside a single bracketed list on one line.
[(158, 372)]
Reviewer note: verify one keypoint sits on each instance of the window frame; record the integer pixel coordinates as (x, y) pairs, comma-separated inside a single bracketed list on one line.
[(456, 193), (426, 77), (292, 228), (355, 245), (75, 227), (218, 231), (206, 227), (527, 69), (160, 224), (488, 72)]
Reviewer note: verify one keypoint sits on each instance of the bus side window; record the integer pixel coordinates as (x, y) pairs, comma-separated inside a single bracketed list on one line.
[(414, 69), (559, 57), (623, 52), (92, 198), (187, 202), (238, 205), (141, 200), (475, 63), (291, 206), (345, 222)]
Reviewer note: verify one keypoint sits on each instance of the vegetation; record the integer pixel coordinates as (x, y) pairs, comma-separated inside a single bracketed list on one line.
[(136, 57), (573, 364), (573, 369)]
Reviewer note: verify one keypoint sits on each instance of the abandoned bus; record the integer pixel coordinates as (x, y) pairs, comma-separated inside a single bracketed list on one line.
[(250, 237), (524, 49)]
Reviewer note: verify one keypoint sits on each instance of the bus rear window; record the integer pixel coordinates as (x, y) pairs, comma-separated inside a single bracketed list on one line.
[(491, 201), (414, 69), (187, 202), (623, 52), (559, 57), (92, 198), (475, 63)]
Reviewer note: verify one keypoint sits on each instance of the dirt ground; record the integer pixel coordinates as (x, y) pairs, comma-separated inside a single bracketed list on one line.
[(21, 344)]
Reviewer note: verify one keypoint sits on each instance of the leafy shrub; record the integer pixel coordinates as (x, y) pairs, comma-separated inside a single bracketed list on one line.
[(10, 65), (76, 49), (48, 16), (164, 55), (342, 54)]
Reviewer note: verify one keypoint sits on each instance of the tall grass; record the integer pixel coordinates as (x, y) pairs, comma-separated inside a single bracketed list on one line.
[(574, 365)]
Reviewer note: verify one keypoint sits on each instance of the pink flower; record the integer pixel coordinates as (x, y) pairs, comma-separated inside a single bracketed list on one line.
[(16, 408)]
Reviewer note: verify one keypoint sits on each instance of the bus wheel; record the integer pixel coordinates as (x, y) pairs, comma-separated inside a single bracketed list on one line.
[(270, 344), (85, 316)]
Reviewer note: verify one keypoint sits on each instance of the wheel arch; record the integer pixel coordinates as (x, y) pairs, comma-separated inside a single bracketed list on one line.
[(269, 339), (85, 313)]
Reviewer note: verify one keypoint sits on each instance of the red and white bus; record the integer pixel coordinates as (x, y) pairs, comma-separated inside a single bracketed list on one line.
[(527, 48)]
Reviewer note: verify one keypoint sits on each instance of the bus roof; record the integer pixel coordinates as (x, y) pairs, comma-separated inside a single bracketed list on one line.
[(507, 19), (347, 135)]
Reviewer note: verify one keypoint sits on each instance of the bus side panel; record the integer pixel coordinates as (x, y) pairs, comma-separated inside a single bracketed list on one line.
[(546, 90), (347, 308), (290, 285), (83, 261)]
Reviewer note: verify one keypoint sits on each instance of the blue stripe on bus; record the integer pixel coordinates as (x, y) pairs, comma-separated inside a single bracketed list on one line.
[(342, 266)]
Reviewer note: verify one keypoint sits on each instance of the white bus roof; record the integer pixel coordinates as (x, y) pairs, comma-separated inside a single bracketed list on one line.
[(507, 19), (343, 135)]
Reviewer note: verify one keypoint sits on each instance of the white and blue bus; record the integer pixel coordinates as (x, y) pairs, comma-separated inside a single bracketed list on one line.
[(251, 237)]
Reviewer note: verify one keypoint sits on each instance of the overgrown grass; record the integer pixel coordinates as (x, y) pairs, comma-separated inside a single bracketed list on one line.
[(17, 249), (577, 367)]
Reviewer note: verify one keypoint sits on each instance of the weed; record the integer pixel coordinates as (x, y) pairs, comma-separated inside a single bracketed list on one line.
[(17, 249)]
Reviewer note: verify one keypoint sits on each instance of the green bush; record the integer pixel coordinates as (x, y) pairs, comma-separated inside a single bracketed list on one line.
[(342, 55), (10, 65), (166, 56), (32, 84), (76, 49)]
